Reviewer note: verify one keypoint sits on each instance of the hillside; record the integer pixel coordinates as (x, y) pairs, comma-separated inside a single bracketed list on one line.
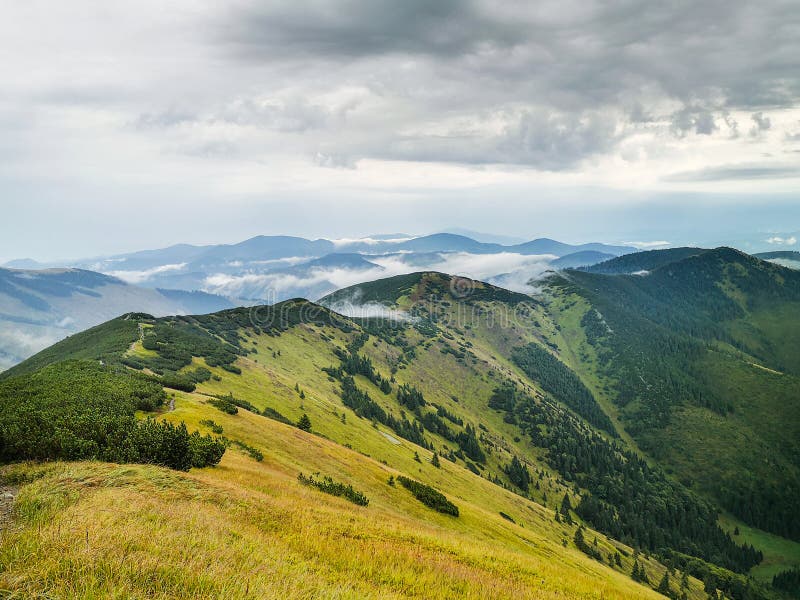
[(641, 262), (40, 307), (696, 361), (583, 258), (503, 417)]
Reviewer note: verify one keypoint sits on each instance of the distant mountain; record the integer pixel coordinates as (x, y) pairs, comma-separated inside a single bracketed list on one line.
[(273, 268), (39, 307), (449, 242), (785, 258), (583, 258), (548, 246), (487, 238), (23, 263), (342, 261)]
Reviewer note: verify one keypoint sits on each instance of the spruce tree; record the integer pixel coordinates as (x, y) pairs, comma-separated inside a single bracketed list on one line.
[(435, 460), (304, 423), (566, 505), (580, 543), (663, 587)]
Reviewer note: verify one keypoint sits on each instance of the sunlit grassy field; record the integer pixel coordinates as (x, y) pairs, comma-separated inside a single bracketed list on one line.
[(249, 529)]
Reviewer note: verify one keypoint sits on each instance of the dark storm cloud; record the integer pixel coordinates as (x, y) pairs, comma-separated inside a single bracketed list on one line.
[(355, 28), (568, 71), (747, 52)]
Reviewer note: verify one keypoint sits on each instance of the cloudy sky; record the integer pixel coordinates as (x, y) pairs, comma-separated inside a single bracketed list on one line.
[(142, 124)]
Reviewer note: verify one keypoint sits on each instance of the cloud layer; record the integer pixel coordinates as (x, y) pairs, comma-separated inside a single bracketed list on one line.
[(206, 114)]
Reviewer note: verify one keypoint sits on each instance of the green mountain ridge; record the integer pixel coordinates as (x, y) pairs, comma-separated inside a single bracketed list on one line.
[(521, 394), (697, 355)]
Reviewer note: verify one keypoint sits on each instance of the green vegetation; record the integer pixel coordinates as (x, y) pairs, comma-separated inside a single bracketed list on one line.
[(105, 342), (421, 389), (628, 499), (557, 379), (304, 423), (335, 488), (429, 496), (788, 581), (252, 452), (79, 410), (696, 350)]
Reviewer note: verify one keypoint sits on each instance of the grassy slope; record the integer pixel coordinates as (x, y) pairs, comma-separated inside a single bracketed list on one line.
[(249, 530), (701, 447), (170, 535)]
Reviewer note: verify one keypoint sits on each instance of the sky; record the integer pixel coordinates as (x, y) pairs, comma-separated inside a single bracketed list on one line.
[(126, 126)]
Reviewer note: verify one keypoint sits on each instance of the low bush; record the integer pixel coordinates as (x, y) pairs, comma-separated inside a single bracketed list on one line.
[(79, 410), (335, 488), (429, 496)]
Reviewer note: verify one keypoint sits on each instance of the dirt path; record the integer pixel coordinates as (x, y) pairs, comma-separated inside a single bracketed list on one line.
[(141, 338), (7, 496)]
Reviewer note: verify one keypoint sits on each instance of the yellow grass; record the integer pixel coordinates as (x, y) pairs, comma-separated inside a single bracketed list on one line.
[(248, 529)]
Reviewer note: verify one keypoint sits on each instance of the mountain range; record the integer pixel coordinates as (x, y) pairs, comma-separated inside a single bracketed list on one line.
[(40, 307), (186, 279), (630, 429), (254, 267)]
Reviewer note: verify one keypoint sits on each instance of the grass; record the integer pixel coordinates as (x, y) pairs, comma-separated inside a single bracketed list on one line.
[(249, 529), (702, 448), (243, 530), (780, 554)]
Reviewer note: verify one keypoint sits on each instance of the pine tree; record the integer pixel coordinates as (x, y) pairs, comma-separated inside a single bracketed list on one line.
[(518, 474), (302, 395), (304, 423), (416, 457), (566, 505), (635, 573), (580, 543), (435, 460), (297, 387), (663, 587)]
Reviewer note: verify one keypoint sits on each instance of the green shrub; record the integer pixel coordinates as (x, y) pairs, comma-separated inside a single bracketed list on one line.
[(334, 488), (78, 410), (429, 496), (177, 381), (254, 453)]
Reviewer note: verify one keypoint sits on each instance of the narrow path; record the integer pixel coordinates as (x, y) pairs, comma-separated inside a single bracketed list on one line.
[(7, 496), (172, 403), (141, 338)]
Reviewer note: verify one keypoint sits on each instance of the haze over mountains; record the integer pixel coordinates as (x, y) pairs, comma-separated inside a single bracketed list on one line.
[(42, 303), (40, 307), (285, 266)]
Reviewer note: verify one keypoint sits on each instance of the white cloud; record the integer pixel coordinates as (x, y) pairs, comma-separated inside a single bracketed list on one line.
[(136, 277), (648, 245), (780, 241), (514, 271)]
